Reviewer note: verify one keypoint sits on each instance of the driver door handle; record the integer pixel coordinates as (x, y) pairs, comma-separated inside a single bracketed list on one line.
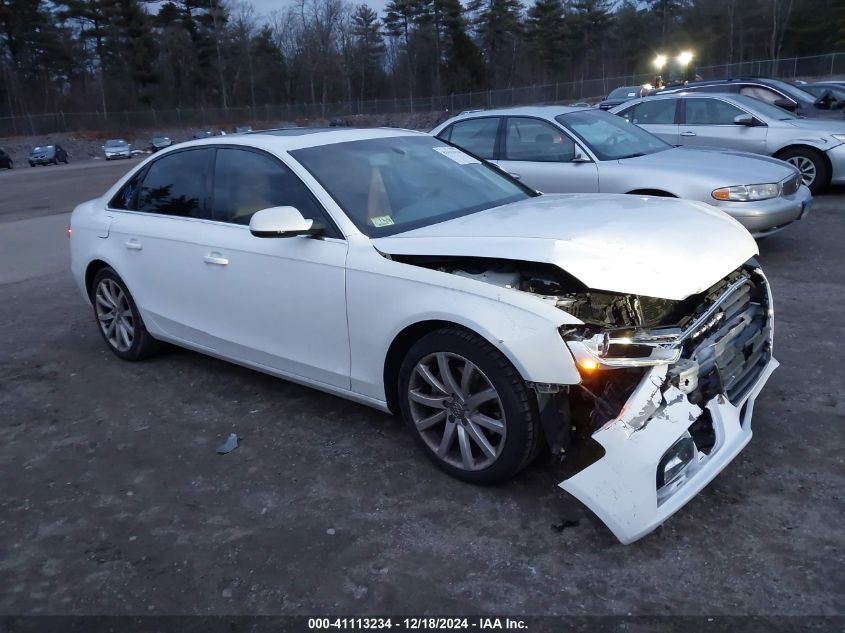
[(688, 133), (215, 259), (133, 245)]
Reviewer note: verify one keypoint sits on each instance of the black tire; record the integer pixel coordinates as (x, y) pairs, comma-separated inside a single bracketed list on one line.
[(143, 344), (797, 155), (522, 438)]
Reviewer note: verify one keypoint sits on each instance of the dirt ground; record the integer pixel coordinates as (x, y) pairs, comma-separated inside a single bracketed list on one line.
[(114, 500)]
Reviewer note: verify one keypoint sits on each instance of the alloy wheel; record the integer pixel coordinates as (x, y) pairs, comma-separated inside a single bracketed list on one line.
[(457, 411), (805, 166), (114, 315)]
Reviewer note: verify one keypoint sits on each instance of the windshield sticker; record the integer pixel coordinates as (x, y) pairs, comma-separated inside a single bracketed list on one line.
[(382, 220), (457, 155)]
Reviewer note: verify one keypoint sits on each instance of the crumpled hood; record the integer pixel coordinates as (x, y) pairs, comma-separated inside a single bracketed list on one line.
[(657, 247), (729, 168)]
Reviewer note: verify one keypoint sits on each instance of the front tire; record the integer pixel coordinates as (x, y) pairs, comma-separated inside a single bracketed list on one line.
[(118, 318), (812, 165), (467, 407)]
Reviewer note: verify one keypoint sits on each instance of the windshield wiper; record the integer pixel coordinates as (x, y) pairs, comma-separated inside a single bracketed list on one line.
[(634, 155)]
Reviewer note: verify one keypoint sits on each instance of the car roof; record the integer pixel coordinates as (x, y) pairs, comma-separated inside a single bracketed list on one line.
[(297, 138), (543, 111)]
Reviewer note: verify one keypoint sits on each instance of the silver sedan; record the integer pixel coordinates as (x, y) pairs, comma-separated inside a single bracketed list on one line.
[(815, 146), (556, 149)]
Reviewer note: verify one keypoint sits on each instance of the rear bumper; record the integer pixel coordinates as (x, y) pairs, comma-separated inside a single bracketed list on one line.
[(621, 489), (769, 216)]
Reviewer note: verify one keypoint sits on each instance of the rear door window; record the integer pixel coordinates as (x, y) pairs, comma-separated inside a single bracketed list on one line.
[(176, 185)]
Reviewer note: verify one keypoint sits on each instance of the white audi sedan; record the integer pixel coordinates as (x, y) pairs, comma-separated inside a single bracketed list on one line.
[(628, 335)]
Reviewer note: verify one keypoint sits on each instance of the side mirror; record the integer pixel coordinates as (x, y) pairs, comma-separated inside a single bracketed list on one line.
[(281, 222), (580, 157), (786, 104), (745, 119)]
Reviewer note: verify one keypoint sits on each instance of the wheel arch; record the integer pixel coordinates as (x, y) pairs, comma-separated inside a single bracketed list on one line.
[(804, 147), (94, 267), (399, 347)]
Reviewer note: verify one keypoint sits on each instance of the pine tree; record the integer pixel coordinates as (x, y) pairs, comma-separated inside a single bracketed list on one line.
[(498, 29), (545, 35)]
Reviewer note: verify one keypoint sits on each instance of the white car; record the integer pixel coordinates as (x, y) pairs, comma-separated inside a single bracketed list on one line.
[(630, 335)]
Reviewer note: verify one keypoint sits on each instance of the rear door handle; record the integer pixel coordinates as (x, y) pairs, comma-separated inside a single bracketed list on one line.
[(688, 134), (133, 245), (215, 259)]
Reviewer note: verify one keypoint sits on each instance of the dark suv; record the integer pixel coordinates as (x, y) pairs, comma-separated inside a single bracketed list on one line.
[(774, 91), (47, 155), (5, 159)]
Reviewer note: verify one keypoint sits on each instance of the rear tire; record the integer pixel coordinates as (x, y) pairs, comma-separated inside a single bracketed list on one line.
[(812, 165), (467, 407), (118, 319)]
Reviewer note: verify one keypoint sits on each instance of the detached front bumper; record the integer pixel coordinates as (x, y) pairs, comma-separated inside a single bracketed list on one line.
[(766, 217), (666, 434), (621, 487)]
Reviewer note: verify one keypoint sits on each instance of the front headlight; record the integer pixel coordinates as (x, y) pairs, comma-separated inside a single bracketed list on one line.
[(747, 193), (621, 348), (839, 137)]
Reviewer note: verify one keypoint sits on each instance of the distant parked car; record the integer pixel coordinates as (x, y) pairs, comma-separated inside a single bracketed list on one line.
[(242, 129), (117, 148), (5, 160), (159, 142), (815, 146), (199, 134), (829, 90), (339, 123), (47, 155), (556, 149), (619, 96), (773, 91)]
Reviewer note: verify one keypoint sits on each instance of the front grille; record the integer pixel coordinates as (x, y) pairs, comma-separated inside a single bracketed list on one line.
[(734, 347), (790, 185)]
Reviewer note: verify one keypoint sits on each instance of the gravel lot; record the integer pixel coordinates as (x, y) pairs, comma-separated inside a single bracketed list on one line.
[(115, 502)]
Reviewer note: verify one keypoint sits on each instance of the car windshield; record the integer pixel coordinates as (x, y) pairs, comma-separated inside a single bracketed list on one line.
[(392, 185), (42, 148), (624, 91), (115, 143), (160, 139), (611, 137), (761, 107)]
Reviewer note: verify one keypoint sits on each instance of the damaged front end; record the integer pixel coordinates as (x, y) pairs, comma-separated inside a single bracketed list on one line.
[(666, 397)]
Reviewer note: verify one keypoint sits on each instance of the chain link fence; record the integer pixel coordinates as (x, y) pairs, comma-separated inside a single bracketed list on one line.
[(817, 66)]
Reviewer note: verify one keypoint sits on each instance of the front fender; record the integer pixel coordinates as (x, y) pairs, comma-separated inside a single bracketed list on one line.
[(384, 297)]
